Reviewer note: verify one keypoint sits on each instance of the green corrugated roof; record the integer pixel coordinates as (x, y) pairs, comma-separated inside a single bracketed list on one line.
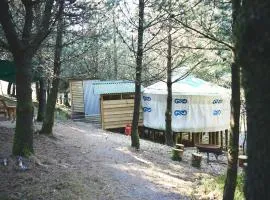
[(114, 87)]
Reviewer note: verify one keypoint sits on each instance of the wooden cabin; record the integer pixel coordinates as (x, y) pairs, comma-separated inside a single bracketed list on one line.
[(111, 102), (77, 99)]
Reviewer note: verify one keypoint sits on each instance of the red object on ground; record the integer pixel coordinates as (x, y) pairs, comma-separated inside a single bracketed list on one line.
[(128, 129)]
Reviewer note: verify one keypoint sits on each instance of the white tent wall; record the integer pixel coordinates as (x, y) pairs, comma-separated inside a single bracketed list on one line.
[(189, 113), (91, 100), (197, 106)]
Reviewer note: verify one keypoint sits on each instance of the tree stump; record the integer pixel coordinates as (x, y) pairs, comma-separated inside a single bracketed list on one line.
[(241, 160), (177, 154), (180, 146), (196, 160)]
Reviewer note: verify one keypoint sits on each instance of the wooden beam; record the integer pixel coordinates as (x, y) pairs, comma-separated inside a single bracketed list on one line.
[(102, 111), (226, 139), (221, 139)]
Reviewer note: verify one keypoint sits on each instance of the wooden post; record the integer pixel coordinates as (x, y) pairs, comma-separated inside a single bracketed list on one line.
[(181, 137), (193, 139), (209, 138), (226, 139), (163, 137), (175, 137), (214, 137), (201, 135), (102, 111), (196, 138), (221, 139), (217, 138)]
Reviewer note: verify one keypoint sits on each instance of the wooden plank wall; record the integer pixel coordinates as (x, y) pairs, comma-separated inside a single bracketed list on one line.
[(77, 101), (117, 113)]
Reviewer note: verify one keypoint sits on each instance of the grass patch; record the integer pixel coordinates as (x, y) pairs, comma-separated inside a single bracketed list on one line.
[(62, 113), (217, 184)]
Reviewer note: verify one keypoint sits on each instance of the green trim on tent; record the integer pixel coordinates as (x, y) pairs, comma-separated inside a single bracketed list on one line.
[(8, 71)]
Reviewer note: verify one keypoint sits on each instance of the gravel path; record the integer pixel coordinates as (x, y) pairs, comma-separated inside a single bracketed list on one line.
[(83, 162)]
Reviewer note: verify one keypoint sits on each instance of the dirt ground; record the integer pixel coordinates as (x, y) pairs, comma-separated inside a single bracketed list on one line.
[(83, 162)]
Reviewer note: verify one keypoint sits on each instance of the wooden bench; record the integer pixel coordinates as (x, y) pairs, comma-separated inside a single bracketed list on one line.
[(9, 110), (3, 108), (209, 148)]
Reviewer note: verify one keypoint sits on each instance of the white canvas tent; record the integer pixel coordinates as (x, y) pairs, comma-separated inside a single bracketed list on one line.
[(197, 106)]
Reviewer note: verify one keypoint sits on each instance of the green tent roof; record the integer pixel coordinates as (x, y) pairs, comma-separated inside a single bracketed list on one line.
[(8, 71)]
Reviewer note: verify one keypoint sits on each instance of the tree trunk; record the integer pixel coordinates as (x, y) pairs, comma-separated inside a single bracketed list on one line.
[(23, 139), (37, 90), (135, 142), (115, 57), (255, 60), (231, 176), (230, 182), (66, 102), (9, 88), (48, 87), (168, 114), (41, 100), (23, 48), (49, 113)]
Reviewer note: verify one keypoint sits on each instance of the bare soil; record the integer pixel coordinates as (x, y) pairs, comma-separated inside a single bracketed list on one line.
[(83, 162)]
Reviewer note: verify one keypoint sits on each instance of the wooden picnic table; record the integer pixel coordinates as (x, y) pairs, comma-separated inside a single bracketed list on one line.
[(209, 148), (9, 110)]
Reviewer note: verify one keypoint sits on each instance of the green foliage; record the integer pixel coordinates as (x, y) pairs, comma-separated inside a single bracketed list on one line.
[(62, 113), (217, 184)]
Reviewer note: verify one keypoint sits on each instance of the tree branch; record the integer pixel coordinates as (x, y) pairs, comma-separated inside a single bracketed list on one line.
[(28, 24), (123, 39), (44, 29), (210, 37), (188, 72), (4, 45), (8, 27)]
